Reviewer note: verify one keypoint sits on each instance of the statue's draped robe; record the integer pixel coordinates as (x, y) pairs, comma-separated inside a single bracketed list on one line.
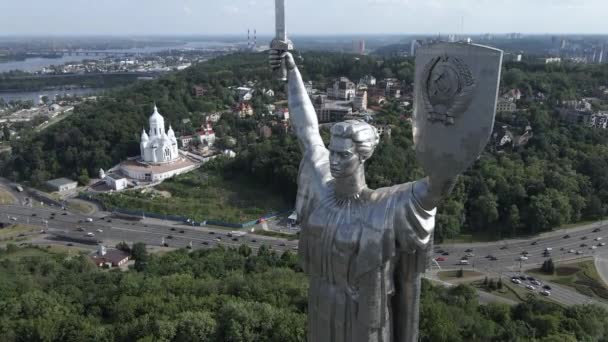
[(350, 250)]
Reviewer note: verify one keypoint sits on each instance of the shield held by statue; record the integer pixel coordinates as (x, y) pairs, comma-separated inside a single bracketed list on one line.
[(455, 98)]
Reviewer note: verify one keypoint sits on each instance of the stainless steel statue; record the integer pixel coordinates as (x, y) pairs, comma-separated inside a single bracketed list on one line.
[(363, 249)]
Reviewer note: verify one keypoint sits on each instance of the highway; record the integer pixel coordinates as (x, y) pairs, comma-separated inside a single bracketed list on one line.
[(154, 232), (508, 264)]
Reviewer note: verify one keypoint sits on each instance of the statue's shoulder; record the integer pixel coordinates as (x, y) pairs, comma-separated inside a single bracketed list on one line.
[(392, 191)]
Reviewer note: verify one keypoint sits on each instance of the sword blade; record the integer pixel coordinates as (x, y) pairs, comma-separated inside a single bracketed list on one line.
[(279, 6)]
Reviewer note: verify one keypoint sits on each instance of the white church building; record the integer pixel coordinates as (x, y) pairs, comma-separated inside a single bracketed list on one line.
[(160, 158), (158, 146)]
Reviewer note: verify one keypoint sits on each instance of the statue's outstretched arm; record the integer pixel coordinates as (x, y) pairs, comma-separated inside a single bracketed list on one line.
[(301, 112), (431, 190)]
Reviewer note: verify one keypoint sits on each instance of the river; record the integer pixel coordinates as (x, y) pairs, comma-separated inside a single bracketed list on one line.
[(37, 63), (35, 96)]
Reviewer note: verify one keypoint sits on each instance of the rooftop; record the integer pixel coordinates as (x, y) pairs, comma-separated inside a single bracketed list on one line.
[(60, 182)]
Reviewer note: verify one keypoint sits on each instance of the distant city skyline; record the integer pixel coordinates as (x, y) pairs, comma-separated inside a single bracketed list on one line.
[(304, 17)]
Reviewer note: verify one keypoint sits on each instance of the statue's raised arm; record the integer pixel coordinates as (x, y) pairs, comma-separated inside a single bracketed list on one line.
[(302, 113)]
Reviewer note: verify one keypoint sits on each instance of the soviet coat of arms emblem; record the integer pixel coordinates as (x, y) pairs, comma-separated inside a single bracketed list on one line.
[(447, 88)]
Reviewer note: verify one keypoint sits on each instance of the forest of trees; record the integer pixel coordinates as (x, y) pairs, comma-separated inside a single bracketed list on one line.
[(233, 295), (560, 177)]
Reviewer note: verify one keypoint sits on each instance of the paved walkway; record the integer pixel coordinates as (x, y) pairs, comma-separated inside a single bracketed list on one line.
[(601, 264)]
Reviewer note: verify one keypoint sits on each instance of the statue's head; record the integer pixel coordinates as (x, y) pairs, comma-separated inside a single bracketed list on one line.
[(352, 143)]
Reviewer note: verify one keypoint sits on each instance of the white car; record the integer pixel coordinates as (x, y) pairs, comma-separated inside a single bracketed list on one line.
[(515, 281), (89, 219), (530, 287), (593, 247), (602, 244), (90, 234), (598, 238), (572, 251), (464, 262), (13, 218), (99, 231), (545, 293), (579, 252), (548, 249), (523, 258), (535, 282)]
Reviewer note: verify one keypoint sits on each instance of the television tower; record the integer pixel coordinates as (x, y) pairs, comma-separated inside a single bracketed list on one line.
[(248, 39), (255, 39)]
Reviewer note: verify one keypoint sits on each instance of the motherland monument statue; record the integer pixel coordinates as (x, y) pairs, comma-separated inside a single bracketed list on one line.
[(364, 250)]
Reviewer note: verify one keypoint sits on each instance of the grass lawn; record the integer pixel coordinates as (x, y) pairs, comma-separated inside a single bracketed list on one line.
[(81, 207), (12, 232), (204, 196), (24, 252), (581, 276), (453, 275), (6, 197)]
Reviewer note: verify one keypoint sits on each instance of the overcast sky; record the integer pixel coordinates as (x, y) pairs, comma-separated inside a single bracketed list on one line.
[(211, 17)]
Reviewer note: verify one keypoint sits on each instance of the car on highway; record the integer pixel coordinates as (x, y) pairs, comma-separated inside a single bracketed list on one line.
[(165, 244), (515, 281), (567, 236), (13, 218), (504, 247), (602, 244), (548, 249), (524, 253), (522, 277), (468, 250), (439, 251), (205, 243), (493, 258), (88, 219), (584, 238), (535, 282), (34, 215), (546, 287), (593, 247), (546, 293), (211, 233), (470, 255), (530, 287), (99, 231), (597, 230), (530, 278), (464, 262), (69, 244), (583, 245), (523, 258), (440, 259), (109, 221), (169, 236), (218, 239), (64, 213), (235, 239), (172, 229), (445, 253), (89, 234), (572, 251), (534, 243), (598, 238), (579, 252), (254, 240), (181, 231)]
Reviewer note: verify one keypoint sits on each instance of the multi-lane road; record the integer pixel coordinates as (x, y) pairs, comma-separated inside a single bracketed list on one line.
[(112, 230), (564, 246)]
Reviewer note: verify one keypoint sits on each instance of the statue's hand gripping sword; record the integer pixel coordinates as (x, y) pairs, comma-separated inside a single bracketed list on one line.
[(280, 42)]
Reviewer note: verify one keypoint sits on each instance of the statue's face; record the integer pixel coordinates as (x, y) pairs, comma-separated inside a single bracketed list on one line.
[(343, 159)]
